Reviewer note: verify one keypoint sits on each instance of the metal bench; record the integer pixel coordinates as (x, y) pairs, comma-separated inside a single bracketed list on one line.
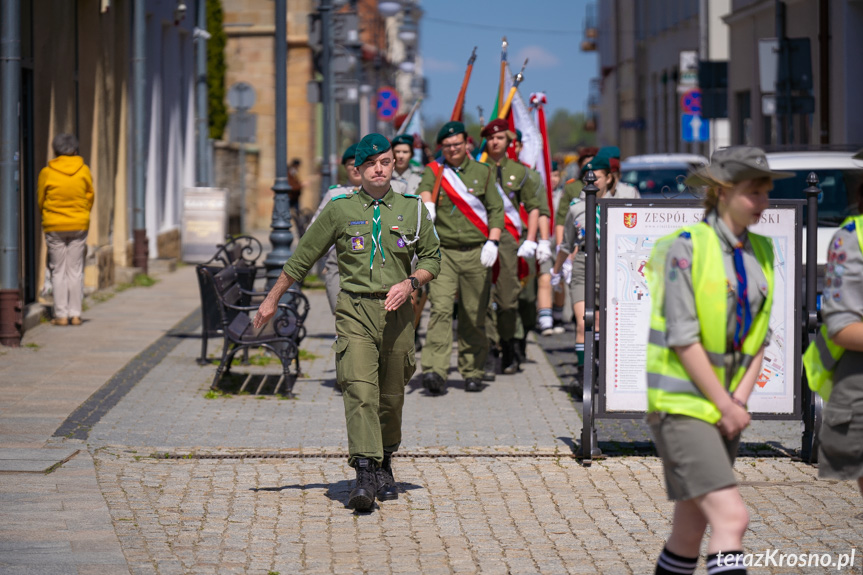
[(243, 253), (280, 336)]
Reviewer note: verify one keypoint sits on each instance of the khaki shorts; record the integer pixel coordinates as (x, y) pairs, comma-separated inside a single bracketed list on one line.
[(576, 286), (695, 456)]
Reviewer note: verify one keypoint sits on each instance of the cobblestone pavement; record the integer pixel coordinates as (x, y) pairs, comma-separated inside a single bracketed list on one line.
[(182, 481), (455, 514)]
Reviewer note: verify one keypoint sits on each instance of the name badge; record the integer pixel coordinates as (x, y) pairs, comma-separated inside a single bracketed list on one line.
[(358, 222)]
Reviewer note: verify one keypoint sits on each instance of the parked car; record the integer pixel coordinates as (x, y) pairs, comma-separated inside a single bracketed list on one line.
[(840, 178), (657, 176)]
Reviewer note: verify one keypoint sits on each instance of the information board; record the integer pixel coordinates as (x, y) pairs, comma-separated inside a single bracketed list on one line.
[(628, 235), (205, 222)]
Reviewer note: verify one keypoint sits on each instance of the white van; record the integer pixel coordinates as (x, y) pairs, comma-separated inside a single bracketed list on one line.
[(840, 178)]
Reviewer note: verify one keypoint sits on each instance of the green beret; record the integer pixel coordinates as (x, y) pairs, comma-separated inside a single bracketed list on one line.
[(450, 129), (403, 139), (350, 153), (609, 152), (599, 162), (371, 145), (554, 166), (518, 135)]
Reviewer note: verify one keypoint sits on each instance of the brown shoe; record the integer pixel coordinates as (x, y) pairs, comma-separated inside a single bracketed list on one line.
[(75, 321), (60, 321)]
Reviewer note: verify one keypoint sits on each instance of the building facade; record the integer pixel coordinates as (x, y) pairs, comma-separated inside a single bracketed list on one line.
[(76, 78)]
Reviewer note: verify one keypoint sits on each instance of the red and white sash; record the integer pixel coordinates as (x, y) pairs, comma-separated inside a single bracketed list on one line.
[(467, 203), (511, 215)]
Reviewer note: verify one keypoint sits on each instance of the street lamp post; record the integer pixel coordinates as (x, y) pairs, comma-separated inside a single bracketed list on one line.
[(281, 237)]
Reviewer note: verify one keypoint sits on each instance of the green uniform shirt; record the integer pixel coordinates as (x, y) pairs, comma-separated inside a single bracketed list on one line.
[(519, 184), (346, 221), (571, 191), (541, 193), (454, 228)]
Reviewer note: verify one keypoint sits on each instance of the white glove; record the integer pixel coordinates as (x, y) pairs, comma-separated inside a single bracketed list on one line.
[(543, 251), (527, 249), (489, 254), (555, 281), (566, 271), (432, 210)]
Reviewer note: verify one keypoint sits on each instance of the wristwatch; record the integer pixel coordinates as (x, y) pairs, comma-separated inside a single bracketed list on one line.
[(415, 283)]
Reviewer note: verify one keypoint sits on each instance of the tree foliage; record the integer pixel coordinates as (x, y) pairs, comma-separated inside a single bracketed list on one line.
[(217, 109)]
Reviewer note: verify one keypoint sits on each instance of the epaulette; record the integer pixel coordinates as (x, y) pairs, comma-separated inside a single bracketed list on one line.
[(411, 196), (340, 196), (851, 226), (685, 235), (569, 181), (333, 186), (575, 201)]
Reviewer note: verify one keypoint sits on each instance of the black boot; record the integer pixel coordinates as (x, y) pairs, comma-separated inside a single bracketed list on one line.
[(520, 351), (362, 497), (387, 488), (507, 353), (490, 369), (433, 383)]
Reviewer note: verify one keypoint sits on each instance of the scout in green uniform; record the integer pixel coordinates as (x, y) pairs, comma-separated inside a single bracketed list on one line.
[(469, 219), (376, 233), (711, 286), (331, 264), (517, 185)]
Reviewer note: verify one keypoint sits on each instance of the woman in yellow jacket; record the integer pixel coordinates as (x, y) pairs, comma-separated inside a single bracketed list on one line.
[(65, 195), (711, 286)]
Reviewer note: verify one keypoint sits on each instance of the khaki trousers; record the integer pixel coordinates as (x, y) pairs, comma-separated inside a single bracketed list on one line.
[(375, 359), (66, 253), (462, 273)]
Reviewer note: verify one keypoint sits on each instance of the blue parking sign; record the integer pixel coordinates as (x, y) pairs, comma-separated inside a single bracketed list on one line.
[(694, 128)]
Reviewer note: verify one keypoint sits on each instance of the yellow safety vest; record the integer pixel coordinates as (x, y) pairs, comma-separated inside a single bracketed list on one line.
[(823, 355), (669, 387)]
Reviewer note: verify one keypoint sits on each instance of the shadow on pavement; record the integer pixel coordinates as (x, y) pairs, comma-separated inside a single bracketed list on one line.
[(338, 491)]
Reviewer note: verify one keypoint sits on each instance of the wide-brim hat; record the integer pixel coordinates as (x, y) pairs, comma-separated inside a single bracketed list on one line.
[(733, 165), (496, 127)]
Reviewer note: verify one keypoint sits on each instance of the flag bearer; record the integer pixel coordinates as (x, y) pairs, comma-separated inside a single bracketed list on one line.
[(376, 233), (711, 286), (468, 217), (516, 185)]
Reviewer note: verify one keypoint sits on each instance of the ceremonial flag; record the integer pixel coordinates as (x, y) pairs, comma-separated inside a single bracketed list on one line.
[(537, 101)]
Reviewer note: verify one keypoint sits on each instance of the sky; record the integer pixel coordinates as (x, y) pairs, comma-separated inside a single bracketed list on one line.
[(548, 32)]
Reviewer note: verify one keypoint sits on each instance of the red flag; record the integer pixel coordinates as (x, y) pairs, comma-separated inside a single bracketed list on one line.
[(537, 101)]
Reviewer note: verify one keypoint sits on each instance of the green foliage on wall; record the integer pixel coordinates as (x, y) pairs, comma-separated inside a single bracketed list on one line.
[(218, 111)]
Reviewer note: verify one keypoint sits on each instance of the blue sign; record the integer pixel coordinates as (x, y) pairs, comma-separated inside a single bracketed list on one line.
[(388, 104), (694, 128)]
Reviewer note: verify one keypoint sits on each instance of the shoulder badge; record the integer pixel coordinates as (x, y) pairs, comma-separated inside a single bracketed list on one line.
[(851, 226), (685, 235), (569, 181), (334, 186), (411, 196), (575, 201), (340, 196)]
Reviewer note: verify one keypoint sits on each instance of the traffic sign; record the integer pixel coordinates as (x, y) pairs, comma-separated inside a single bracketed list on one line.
[(694, 128), (690, 101), (241, 96), (388, 103)]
